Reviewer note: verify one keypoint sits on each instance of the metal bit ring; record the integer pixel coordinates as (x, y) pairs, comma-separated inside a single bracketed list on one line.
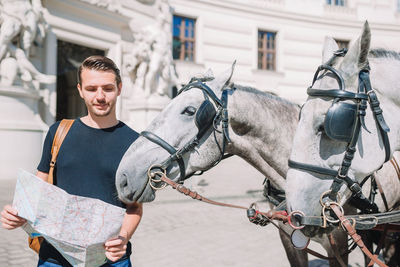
[(327, 206), (289, 217), (152, 174), (321, 198)]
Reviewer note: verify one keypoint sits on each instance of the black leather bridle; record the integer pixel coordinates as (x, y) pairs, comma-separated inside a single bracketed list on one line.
[(220, 115), (364, 93)]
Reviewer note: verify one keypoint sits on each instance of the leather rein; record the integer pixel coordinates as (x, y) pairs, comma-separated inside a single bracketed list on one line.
[(263, 218)]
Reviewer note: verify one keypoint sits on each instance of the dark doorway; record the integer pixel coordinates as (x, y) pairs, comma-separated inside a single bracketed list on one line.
[(69, 57)]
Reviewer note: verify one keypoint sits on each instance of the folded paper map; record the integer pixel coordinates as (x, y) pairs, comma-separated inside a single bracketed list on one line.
[(76, 226)]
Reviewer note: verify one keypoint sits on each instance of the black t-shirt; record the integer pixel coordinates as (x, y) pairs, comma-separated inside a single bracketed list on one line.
[(86, 165)]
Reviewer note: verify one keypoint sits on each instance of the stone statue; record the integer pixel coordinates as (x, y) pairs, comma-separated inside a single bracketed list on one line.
[(137, 62), (22, 25), (150, 63)]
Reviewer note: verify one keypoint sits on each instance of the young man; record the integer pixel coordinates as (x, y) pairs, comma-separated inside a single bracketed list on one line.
[(89, 157)]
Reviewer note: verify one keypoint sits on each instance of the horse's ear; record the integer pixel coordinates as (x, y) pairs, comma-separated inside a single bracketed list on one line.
[(357, 56), (364, 46), (223, 79), (330, 46)]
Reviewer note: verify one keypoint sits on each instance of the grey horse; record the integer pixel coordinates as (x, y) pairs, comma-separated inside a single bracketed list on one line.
[(261, 129), (314, 145)]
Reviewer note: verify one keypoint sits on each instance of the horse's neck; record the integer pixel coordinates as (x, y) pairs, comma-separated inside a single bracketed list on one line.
[(384, 80), (262, 130)]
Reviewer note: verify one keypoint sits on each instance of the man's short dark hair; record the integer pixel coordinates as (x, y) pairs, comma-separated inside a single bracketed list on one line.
[(99, 63)]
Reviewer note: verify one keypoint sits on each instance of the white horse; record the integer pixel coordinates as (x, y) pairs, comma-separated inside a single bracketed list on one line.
[(261, 128), (314, 145), (252, 114)]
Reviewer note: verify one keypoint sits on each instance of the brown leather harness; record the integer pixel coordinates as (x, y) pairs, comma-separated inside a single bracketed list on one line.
[(158, 177)]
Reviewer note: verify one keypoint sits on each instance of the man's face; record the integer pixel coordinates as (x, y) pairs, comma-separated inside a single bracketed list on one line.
[(99, 90)]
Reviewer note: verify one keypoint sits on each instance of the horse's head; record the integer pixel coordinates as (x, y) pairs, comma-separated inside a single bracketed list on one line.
[(176, 140), (331, 141)]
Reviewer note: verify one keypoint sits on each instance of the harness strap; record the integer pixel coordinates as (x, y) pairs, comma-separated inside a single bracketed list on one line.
[(377, 111), (359, 200), (159, 141), (336, 93), (222, 115), (205, 88), (362, 221), (378, 183), (362, 105), (391, 227), (396, 166), (330, 68), (352, 232), (225, 119), (386, 226)]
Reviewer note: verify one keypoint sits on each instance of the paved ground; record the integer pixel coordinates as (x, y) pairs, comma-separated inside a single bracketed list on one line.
[(177, 232)]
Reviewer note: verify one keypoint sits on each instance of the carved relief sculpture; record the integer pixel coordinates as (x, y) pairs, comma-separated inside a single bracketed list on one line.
[(150, 64), (22, 25)]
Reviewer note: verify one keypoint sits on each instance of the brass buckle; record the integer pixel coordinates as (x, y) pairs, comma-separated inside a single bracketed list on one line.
[(153, 174)]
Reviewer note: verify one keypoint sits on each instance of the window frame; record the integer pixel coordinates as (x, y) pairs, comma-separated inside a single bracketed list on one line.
[(184, 55), (336, 2), (265, 51)]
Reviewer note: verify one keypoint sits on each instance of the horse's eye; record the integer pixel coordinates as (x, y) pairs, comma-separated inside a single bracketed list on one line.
[(189, 110), (321, 128)]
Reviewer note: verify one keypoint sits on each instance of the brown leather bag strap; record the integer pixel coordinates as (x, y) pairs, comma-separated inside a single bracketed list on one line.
[(61, 132)]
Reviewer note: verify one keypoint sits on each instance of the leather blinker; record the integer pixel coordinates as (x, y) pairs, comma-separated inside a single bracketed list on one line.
[(340, 121), (204, 117)]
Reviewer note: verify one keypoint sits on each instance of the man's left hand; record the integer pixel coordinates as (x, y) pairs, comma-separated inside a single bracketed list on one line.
[(116, 247)]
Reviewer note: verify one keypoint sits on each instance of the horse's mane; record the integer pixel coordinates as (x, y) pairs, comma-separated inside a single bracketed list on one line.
[(267, 94), (384, 53)]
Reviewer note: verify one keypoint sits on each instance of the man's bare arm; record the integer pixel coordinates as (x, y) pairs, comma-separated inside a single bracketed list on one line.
[(116, 248), (42, 175)]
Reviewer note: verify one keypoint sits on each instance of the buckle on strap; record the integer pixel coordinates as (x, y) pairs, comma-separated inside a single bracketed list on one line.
[(290, 221)]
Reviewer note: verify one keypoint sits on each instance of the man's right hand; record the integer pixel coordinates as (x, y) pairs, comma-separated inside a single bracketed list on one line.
[(10, 219)]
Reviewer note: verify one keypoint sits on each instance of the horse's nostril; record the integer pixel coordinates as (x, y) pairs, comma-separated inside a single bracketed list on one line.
[(124, 181), (129, 196), (124, 186)]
